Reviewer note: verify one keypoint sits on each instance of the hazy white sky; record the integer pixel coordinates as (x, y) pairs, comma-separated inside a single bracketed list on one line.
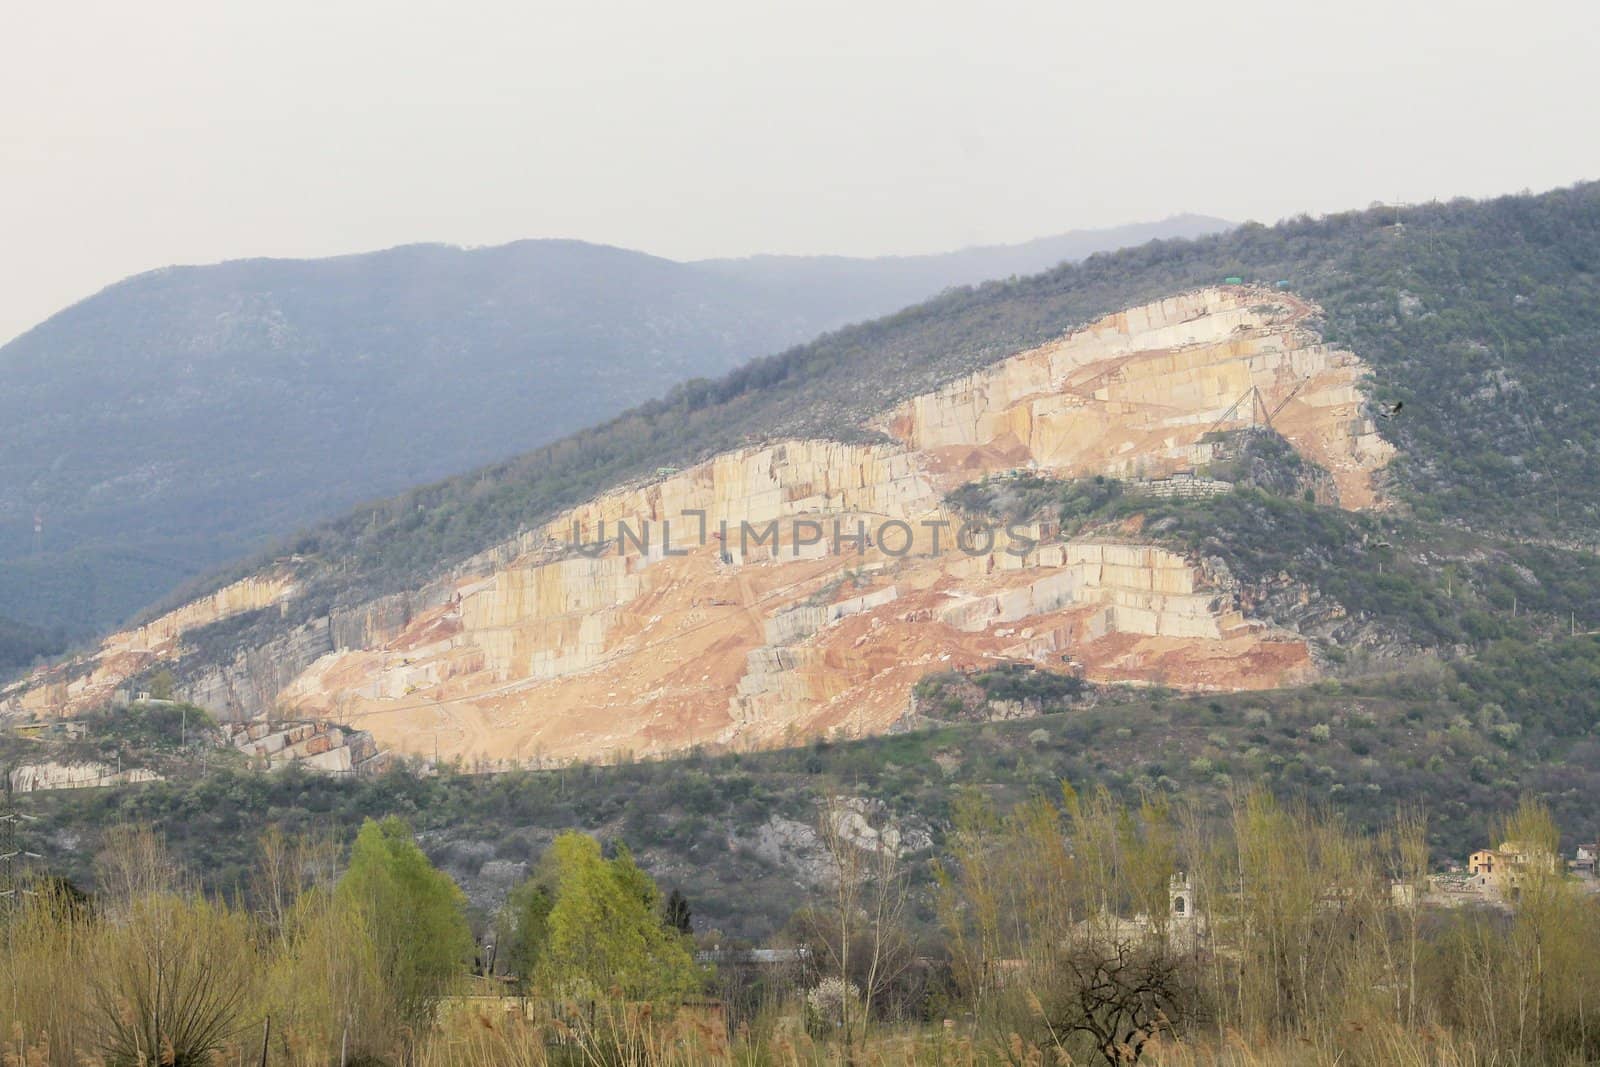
[(134, 135)]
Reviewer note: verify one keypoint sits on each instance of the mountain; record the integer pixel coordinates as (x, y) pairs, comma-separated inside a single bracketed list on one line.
[(1272, 456), (21, 644), (179, 418), (852, 290)]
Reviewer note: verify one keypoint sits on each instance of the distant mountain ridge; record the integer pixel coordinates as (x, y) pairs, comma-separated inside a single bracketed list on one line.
[(183, 416), (856, 286), (1482, 317)]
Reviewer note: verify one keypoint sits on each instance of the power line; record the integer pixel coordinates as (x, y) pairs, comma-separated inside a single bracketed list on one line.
[(12, 854)]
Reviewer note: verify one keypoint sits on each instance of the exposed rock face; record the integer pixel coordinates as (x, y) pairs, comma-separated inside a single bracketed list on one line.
[(804, 586), (248, 686), (867, 825), (317, 746), (30, 777), (92, 681), (1134, 394)]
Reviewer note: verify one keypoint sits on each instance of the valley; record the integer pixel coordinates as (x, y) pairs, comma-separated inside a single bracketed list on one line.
[(434, 633)]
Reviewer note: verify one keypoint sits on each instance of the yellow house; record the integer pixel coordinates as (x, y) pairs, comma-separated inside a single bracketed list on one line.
[(1484, 861), (1510, 864)]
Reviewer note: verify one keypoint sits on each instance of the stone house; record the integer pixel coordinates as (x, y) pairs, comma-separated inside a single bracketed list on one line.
[(1509, 866)]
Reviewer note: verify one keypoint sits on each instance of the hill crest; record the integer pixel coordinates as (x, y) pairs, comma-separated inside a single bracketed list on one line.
[(176, 420)]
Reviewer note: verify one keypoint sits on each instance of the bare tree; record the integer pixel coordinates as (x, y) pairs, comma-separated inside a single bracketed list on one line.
[(1120, 992), (278, 878), (860, 932), (1409, 881), (133, 863), (287, 867), (888, 952)]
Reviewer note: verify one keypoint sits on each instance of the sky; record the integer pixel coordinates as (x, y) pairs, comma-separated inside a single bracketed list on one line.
[(134, 136)]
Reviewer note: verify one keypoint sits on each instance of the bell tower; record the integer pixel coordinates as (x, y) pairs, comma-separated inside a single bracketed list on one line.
[(1180, 895)]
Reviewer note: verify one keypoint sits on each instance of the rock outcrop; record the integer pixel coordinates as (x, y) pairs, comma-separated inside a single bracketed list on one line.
[(1137, 394), (803, 586), (83, 774), (91, 681), (317, 746)]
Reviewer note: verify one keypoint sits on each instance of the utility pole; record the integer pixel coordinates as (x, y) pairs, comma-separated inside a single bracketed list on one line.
[(11, 852), (8, 857)]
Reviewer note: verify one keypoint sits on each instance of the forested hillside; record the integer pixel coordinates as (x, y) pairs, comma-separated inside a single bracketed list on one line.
[(21, 644), (1482, 318), (1463, 740), (175, 420)]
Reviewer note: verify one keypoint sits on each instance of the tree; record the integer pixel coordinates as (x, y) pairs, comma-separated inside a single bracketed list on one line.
[(678, 916), (133, 863), (605, 930), (970, 894), (162, 684), (415, 913), (286, 867), (859, 930), (171, 980), (1121, 992), (525, 927)]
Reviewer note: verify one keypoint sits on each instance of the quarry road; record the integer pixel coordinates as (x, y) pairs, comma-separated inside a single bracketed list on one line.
[(748, 599)]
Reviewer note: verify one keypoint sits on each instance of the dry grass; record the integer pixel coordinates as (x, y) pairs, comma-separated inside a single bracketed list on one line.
[(160, 974)]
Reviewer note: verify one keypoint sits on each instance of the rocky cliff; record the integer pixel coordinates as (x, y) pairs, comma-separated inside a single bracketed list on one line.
[(1138, 394), (802, 586), (90, 681)]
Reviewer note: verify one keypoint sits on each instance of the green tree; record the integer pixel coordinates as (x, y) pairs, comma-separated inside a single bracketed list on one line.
[(415, 913), (161, 684), (605, 930), (525, 927), (678, 915)]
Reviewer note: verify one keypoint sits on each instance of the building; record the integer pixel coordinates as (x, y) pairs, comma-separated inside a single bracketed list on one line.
[(1180, 892), (1508, 867), (1184, 926), (1484, 861)]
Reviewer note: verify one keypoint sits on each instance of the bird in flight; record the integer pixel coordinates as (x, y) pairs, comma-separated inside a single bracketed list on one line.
[(1389, 411)]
